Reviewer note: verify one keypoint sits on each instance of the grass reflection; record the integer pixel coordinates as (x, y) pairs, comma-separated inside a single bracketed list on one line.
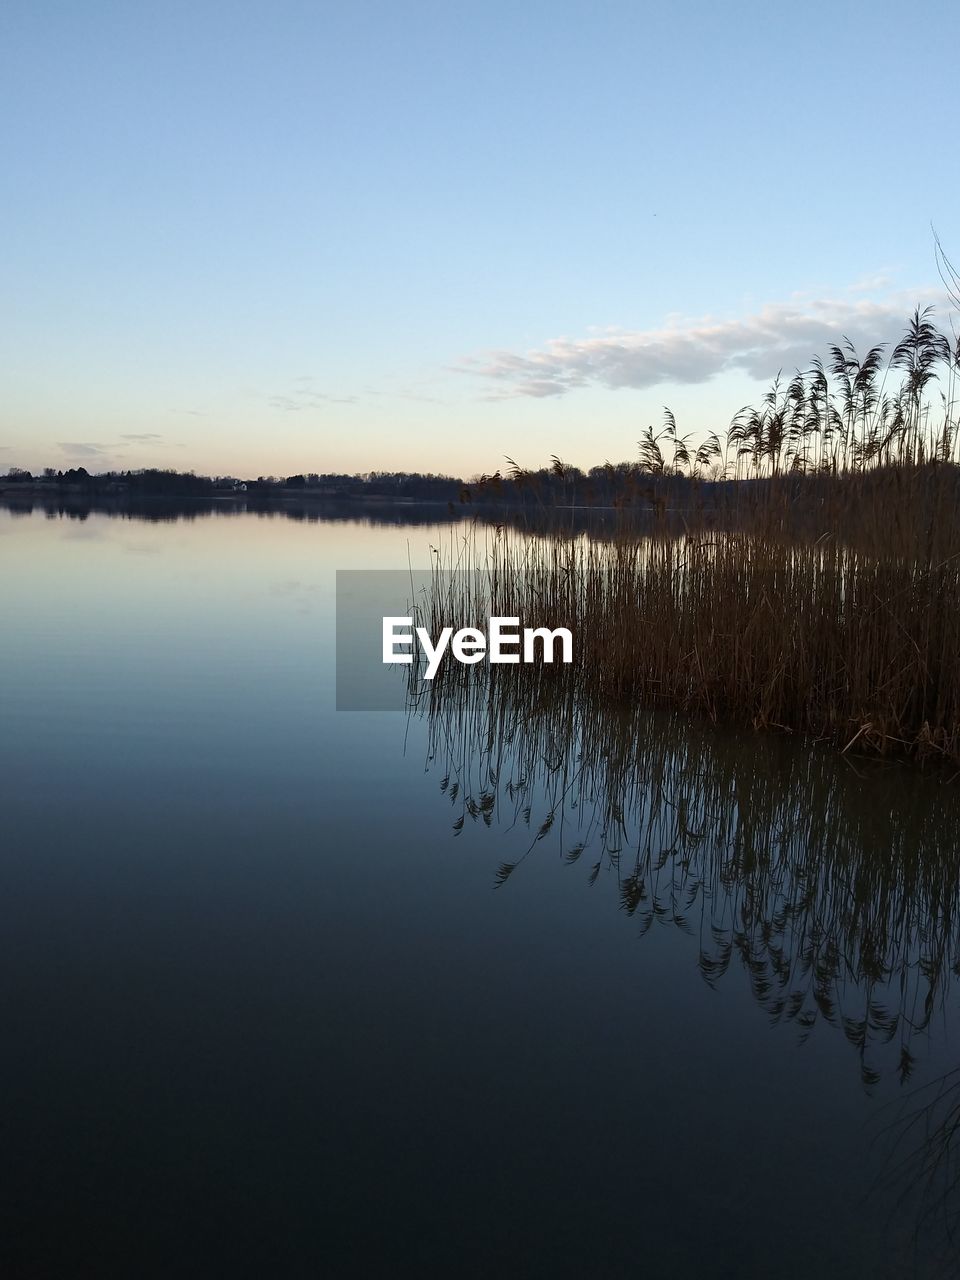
[(835, 891), (833, 887)]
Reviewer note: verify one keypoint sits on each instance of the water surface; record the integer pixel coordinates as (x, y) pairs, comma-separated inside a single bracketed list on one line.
[(296, 992)]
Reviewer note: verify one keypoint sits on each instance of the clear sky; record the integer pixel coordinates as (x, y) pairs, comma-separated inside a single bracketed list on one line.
[(251, 238)]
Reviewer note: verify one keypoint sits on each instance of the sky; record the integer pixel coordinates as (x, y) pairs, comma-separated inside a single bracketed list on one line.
[(256, 238)]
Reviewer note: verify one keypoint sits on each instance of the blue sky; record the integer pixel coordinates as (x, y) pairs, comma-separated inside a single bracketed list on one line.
[(262, 238)]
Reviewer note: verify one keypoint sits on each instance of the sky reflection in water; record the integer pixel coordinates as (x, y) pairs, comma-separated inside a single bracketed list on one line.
[(265, 1009)]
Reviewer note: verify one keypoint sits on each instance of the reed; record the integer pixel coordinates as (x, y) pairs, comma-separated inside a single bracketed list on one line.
[(817, 591)]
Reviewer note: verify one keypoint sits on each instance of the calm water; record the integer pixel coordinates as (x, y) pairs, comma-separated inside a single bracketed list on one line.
[(290, 991)]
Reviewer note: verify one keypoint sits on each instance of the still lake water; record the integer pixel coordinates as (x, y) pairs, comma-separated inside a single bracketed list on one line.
[(266, 1010)]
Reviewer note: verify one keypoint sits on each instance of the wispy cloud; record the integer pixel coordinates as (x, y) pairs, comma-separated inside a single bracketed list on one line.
[(305, 396), (417, 398), (141, 437), (781, 335), (83, 448)]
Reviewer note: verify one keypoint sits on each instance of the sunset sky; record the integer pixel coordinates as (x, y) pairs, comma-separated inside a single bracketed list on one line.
[(251, 238)]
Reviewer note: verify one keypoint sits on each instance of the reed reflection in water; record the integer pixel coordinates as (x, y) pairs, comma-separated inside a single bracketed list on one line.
[(834, 886)]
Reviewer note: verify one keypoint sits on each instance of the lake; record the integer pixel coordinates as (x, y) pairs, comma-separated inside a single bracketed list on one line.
[(459, 988)]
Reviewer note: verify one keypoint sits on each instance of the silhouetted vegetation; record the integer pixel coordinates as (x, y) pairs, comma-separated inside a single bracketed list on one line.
[(157, 483), (814, 590)]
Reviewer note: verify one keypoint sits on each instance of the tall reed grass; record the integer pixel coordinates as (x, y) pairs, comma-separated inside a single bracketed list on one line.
[(817, 593)]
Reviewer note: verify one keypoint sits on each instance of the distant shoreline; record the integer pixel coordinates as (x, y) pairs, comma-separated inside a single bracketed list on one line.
[(40, 490)]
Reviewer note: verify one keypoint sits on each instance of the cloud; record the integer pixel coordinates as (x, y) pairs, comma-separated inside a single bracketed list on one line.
[(141, 437), (781, 335), (307, 400), (82, 448), (417, 398), (870, 284), (304, 397)]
